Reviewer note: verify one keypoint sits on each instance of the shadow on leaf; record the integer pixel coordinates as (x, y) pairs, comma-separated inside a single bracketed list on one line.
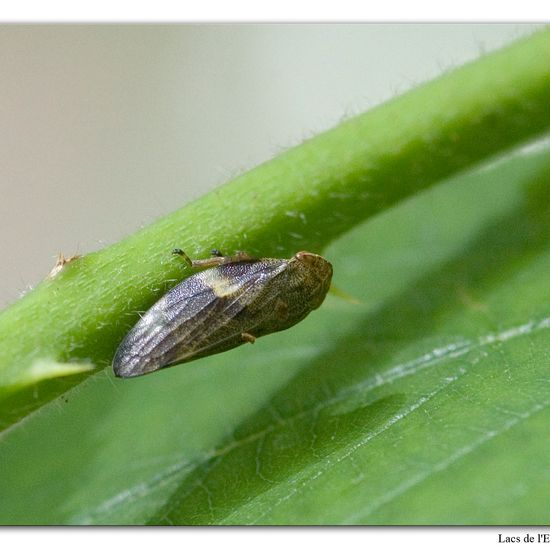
[(303, 423)]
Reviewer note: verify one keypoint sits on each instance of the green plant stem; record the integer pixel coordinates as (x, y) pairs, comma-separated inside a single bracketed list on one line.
[(301, 200)]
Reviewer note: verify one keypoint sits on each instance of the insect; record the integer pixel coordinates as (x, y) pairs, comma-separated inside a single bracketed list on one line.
[(236, 300)]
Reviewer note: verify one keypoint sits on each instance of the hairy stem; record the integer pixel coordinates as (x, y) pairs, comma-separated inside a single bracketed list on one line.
[(301, 200)]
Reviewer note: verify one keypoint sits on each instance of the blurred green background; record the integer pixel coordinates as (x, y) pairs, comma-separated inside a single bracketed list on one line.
[(108, 127), (426, 402)]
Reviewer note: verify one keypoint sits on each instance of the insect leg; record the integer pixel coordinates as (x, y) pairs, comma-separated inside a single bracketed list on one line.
[(186, 258), (214, 261), (247, 337)]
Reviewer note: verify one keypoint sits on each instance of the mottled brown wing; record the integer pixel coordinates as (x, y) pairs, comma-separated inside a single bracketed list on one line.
[(231, 288), (181, 324)]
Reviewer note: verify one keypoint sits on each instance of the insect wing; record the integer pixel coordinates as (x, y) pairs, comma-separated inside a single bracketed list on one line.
[(190, 319)]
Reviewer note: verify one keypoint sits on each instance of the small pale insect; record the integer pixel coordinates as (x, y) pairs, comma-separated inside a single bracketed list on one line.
[(236, 300)]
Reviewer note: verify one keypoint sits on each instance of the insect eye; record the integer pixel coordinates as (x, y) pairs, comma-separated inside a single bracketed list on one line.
[(306, 257)]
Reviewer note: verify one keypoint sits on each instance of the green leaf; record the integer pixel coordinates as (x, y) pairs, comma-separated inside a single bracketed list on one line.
[(427, 402), (302, 200)]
